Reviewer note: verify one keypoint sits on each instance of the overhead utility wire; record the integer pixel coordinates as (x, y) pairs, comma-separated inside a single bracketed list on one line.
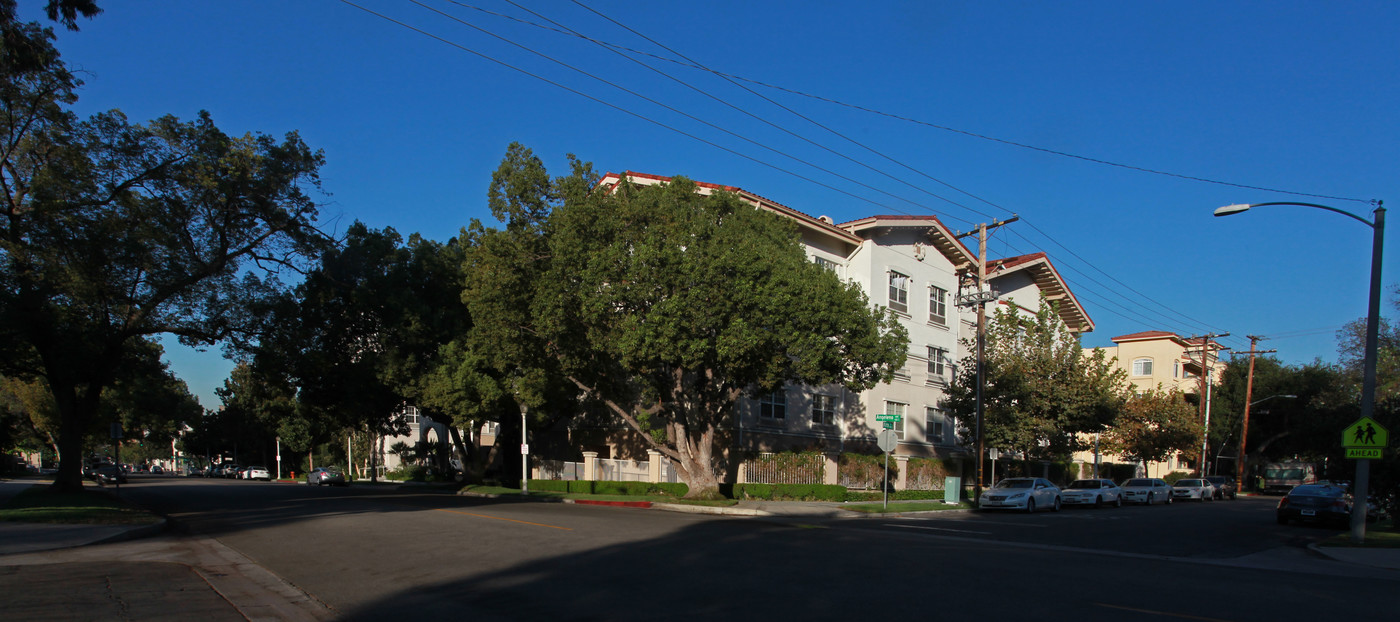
[(748, 113), (619, 108), (662, 124), (805, 118), (702, 67), (927, 123), (673, 109)]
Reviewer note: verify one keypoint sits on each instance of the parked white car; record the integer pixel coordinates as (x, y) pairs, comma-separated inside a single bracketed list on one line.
[(1021, 493), (1095, 492), (1147, 490), (257, 472), (1198, 489)]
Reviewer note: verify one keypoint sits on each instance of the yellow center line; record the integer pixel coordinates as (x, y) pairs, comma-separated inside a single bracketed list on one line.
[(1161, 613), (523, 522)]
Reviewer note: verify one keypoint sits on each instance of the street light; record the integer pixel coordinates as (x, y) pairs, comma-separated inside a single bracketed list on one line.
[(1373, 313)]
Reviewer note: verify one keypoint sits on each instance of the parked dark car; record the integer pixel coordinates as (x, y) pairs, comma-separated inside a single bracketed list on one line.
[(1224, 486), (108, 474), (1315, 503), (321, 476)]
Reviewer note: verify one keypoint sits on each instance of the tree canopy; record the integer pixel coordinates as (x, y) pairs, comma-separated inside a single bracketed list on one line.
[(662, 303), (115, 231), (1042, 394)]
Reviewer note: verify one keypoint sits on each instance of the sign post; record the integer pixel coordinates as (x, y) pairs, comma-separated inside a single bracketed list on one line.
[(1364, 441), (887, 442)]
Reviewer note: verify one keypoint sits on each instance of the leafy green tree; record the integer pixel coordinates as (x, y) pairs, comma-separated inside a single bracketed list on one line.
[(663, 304), (1154, 425), (114, 232), (1042, 396)]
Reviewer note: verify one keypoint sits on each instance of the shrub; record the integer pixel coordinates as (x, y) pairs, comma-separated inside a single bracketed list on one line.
[(928, 473), (1172, 477), (786, 468), (411, 474), (896, 495), (785, 492), (549, 485), (866, 472)]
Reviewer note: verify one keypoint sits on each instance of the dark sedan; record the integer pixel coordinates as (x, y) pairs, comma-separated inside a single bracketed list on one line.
[(1315, 503)]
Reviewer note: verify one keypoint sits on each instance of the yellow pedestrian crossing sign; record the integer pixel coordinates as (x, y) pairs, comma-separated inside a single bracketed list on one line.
[(1365, 434)]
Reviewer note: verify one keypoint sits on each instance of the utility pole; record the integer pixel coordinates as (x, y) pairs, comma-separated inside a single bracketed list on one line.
[(1248, 396), (1204, 394), (980, 298)]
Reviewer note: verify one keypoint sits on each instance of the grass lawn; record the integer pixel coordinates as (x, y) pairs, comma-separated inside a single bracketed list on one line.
[(1381, 535), (906, 506), (38, 504)]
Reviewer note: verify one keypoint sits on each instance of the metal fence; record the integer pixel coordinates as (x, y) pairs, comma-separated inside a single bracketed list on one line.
[(622, 470), (668, 472), (785, 469)]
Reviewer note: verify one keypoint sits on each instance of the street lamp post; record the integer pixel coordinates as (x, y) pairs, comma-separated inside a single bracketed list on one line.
[(1373, 312)]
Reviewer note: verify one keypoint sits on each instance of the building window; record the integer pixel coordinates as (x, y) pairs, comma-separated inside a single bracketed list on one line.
[(938, 306), (1176, 369), (825, 263), (823, 409), (410, 415), (940, 427), (896, 408), (937, 364), (1142, 367), (773, 406), (899, 292)]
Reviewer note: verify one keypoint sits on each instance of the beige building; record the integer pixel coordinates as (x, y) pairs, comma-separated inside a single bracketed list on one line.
[(1158, 358)]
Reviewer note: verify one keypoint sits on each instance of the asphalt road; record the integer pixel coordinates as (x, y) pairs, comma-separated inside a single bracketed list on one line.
[(372, 552)]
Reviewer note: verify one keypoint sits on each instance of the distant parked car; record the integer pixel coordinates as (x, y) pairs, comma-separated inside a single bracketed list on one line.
[(1198, 489), (1095, 492), (1224, 486), (1147, 490), (108, 474), (322, 476), (1021, 493), (1315, 503), (157, 470), (257, 472)]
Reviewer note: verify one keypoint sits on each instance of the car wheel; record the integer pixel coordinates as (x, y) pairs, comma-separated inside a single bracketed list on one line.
[(1057, 504), (1098, 503), (1169, 499), (1150, 499), (1030, 506)]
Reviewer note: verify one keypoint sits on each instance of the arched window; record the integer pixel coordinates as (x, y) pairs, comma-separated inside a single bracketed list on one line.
[(1142, 367)]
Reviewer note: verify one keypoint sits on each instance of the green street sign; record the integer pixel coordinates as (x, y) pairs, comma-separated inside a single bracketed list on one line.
[(889, 425), (1365, 434), (888, 418)]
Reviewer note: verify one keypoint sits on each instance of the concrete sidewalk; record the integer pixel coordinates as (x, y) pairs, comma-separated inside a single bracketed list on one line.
[(136, 572)]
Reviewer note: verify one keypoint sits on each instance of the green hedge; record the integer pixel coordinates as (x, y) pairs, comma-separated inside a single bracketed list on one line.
[(1172, 477), (896, 495), (608, 488), (784, 492)]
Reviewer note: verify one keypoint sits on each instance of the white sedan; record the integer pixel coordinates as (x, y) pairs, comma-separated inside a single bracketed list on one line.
[(1147, 490), (257, 472), (1095, 492), (1021, 493), (1198, 489)]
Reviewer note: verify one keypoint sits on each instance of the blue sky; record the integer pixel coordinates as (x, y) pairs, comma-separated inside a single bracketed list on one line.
[(1290, 96)]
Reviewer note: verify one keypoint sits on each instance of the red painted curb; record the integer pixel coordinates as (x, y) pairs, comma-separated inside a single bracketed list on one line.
[(620, 504)]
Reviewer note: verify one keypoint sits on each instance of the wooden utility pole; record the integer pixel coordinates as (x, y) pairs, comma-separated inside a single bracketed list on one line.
[(1204, 395), (1248, 396), (980, 298)]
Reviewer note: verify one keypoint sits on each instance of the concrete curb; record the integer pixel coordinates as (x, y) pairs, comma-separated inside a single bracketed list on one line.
[(135, 533), (710, 509)]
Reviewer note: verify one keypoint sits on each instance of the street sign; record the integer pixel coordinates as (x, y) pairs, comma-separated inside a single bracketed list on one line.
[(887, 441), (889, 418), (1364, 453), (1365, 434), (889, 425), (978, 297), (116, 431), (524, 449)]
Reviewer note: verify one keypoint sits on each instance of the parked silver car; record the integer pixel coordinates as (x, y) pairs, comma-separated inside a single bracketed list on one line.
[(1095, 492), (321, 476), (1198, 489), (1147, 490), (1021, 493)]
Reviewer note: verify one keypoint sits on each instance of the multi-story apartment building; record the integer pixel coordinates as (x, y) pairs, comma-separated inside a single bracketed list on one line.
[(1157, 358), (916, 267)]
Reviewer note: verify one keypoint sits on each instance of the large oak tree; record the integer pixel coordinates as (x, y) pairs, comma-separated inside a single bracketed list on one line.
[(663, 304), (113, 232)]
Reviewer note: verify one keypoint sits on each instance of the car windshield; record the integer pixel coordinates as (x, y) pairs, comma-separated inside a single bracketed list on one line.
[(1139, 482), (1016, 483), (1087, 484), (1189, 483)]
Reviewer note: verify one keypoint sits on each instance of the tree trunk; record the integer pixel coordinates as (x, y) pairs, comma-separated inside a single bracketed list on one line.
[(697, 462), (464, 454), (75, 413)]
